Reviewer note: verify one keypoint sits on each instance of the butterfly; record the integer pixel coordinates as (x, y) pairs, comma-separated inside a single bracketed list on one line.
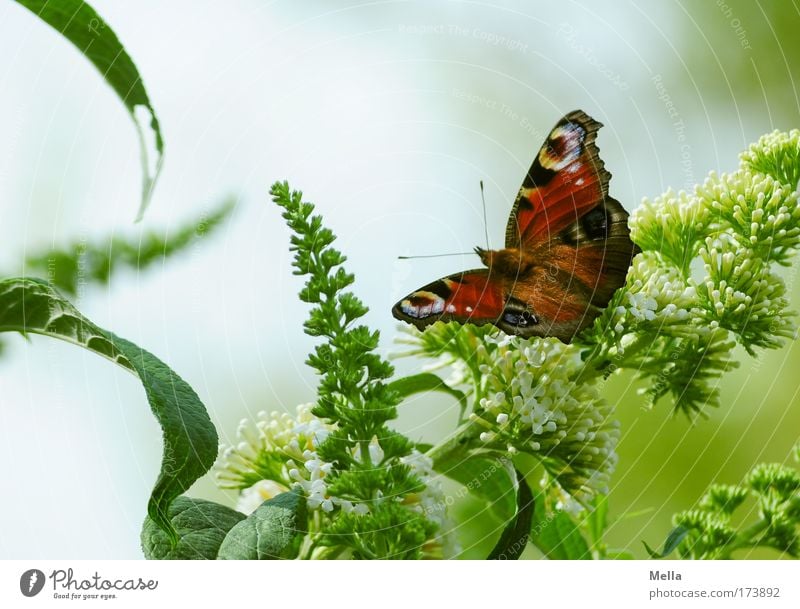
[(567, 249)]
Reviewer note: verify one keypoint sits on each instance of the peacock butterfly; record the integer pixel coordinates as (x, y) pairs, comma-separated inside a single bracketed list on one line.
[(567, 250)]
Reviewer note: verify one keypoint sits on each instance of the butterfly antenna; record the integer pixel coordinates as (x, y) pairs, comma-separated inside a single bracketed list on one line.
[(485, 223), (485, 230)]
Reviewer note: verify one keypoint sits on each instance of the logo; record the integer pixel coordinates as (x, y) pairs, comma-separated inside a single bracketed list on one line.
[(66, 585), (31, 582)]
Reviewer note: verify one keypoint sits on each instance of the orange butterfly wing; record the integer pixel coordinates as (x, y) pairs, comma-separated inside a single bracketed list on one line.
[(564, 219), (566, 180), (469, 297)]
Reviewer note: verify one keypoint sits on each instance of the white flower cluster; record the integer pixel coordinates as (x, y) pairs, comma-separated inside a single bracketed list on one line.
[(657, 295), (736, 225), (458, 370), (776, 154), (670, 224), (432, 503), (761, 211), (757, 223), (279, 451), (741, 293), (276, 452), (536, 404)]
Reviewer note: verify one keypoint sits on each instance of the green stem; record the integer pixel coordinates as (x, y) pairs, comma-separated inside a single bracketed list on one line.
[(744, 539), (622, 360)]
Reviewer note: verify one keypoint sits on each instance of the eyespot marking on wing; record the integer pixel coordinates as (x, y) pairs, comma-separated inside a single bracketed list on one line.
[(520, 319), (595, 223), (422, 304), (563, 147)]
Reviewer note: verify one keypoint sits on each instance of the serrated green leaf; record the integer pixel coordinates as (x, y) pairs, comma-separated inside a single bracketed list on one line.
[(201, 526), (556, 535), (79, 23), (514, 538), (426, 381), (275, 530), (31, 306)]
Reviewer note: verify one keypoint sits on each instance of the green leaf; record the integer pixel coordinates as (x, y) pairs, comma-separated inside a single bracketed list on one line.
[(486, 478), (426, 381), (556, 535), (597, 520), (514, 538), (30, 306), (96, 262), (190, 439), (201, 526), (651, 551), (275, 530), (673, 540), (79, 23)]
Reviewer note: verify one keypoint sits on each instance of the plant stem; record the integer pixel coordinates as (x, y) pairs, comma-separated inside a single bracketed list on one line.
[(744, 539)]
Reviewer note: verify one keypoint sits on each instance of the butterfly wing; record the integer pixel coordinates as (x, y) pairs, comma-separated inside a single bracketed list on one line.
[(568, 249), (469, 297), (564, 220), (566, 180)]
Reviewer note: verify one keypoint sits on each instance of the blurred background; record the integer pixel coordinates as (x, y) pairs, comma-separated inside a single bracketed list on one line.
[(386, 115)]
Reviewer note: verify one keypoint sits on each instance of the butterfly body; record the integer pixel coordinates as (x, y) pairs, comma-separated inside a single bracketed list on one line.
[(567, 251)]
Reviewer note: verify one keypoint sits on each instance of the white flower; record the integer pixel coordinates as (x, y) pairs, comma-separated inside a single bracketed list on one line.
[(252, 497), (761, 211), (742, 294), (459, 373), (776, 154), (278, 451), (374, 449), (534, 404), (432, 502), (670, 224), (657, 296), (265, 445)]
